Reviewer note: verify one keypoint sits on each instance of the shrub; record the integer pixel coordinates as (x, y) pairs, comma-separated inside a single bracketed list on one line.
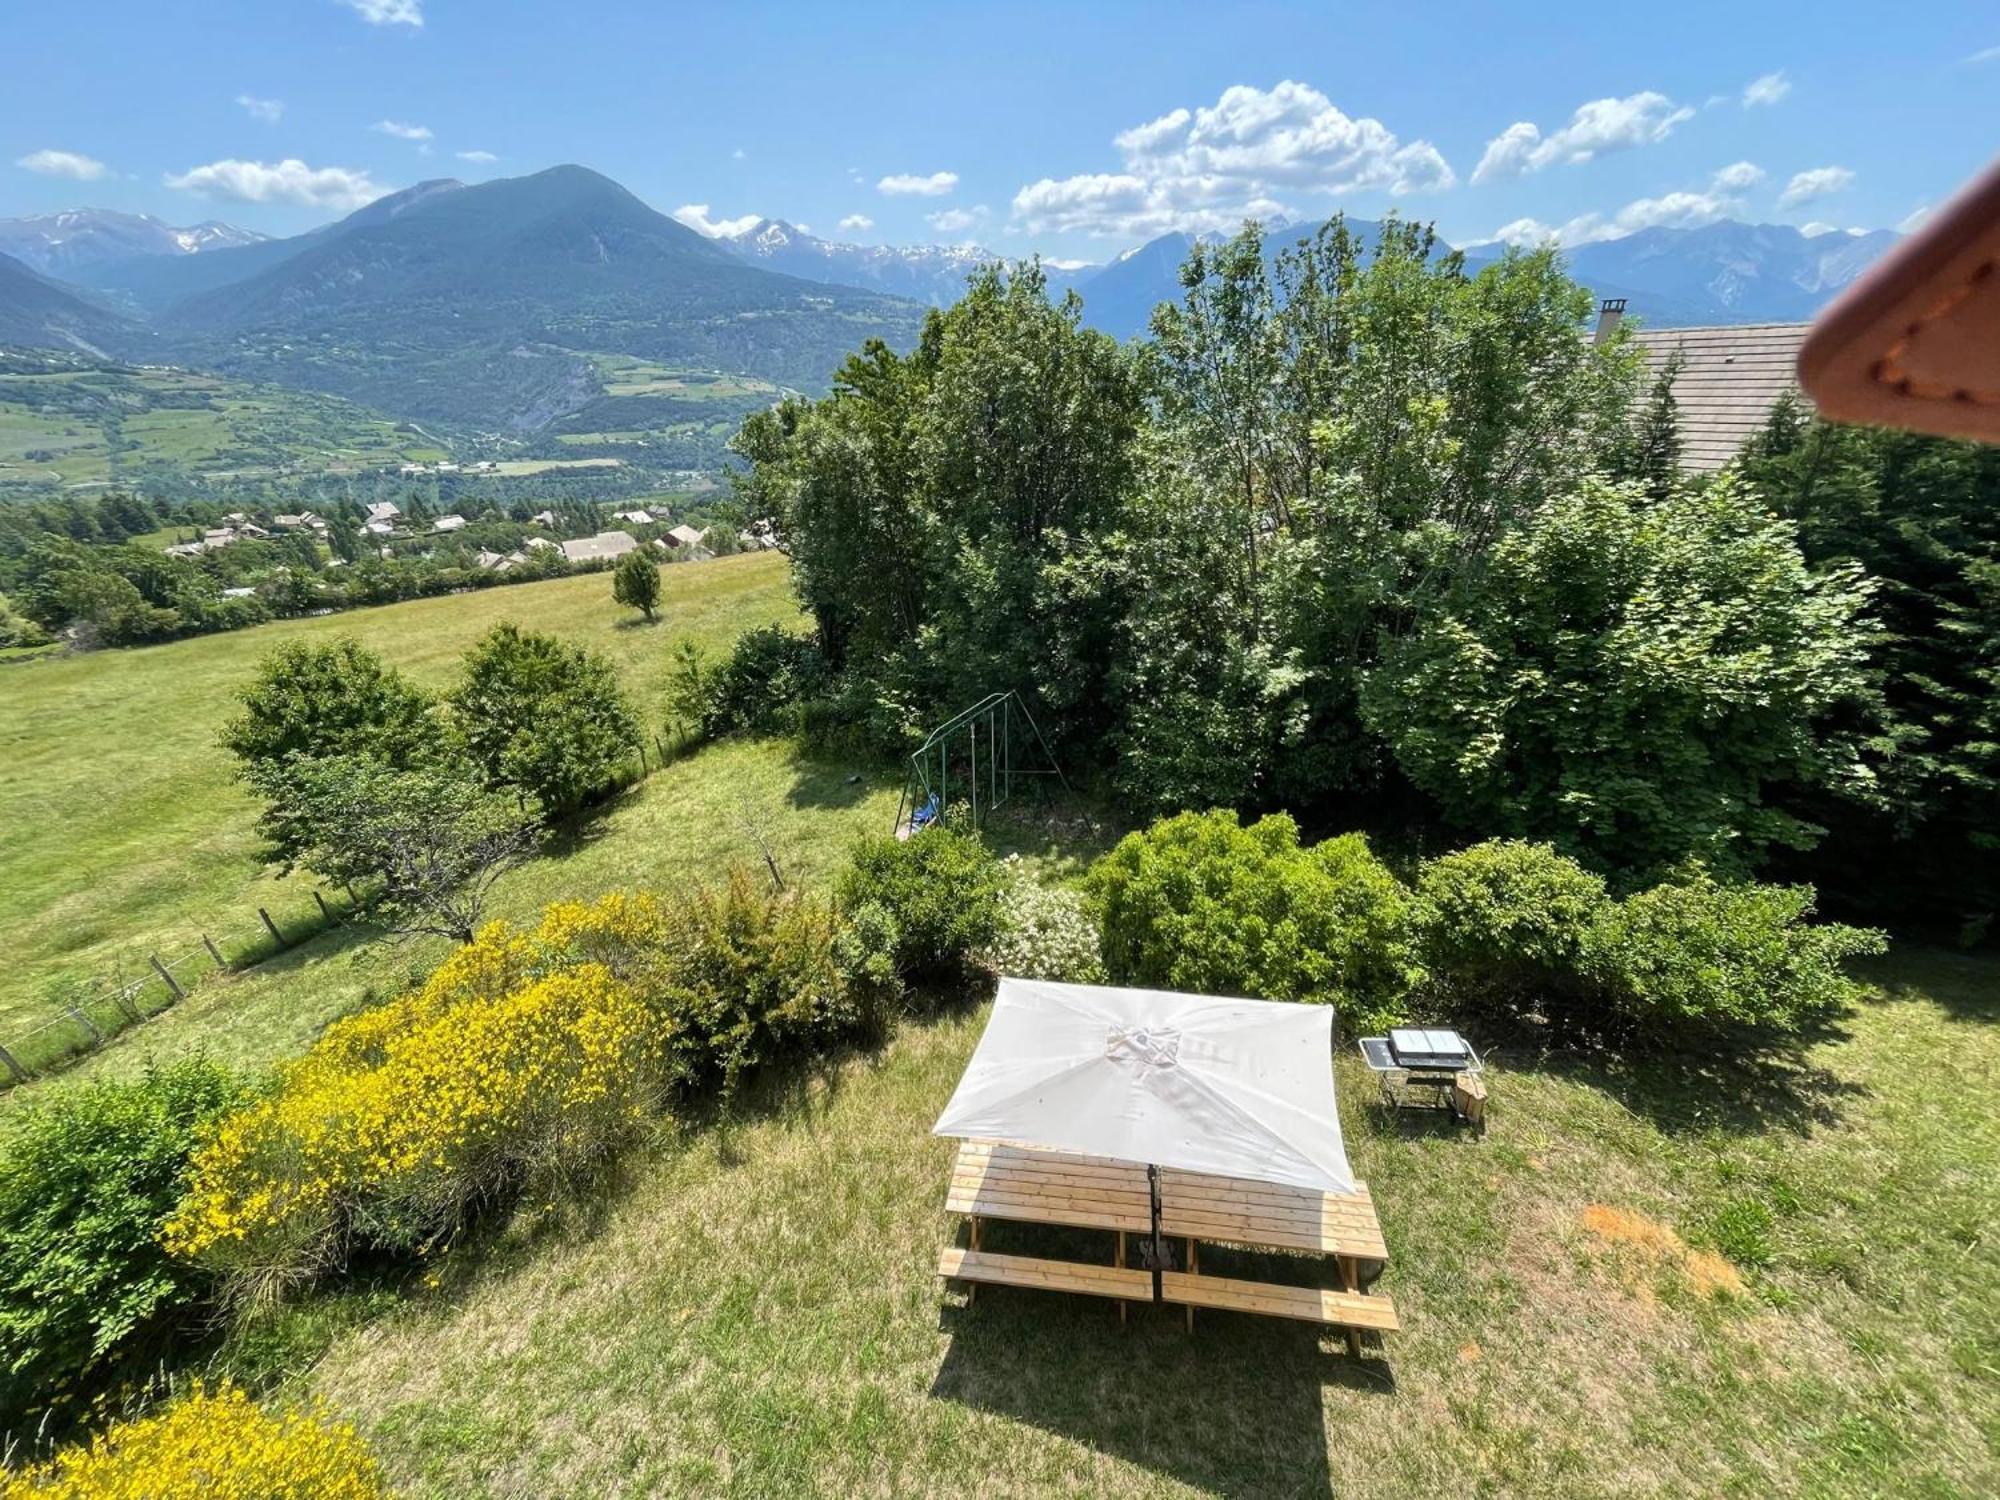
[(400, 1119), (1198, 902), (769, 673), (1694, 956), (635, 583), (940, 888), (215, 1445), (1045, 933), (527, 1057), (1508, 926), (749, 975), (544, 717), (88, 1180)]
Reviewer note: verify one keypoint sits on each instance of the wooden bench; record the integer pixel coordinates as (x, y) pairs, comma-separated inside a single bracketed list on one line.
[(1122, 1283), (1351, 1310)]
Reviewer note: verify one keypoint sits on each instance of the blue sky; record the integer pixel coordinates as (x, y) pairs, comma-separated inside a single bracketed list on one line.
[(1076, 130)]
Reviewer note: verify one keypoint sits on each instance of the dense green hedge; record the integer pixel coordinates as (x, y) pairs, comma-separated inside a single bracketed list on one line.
[(1199, 902), (89, 1178)]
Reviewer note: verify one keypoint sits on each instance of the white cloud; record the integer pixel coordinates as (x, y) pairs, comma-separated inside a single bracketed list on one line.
[(1819, 182), (909, 185), (73, 164), (401, 131), (695, 216), (1212, 167), (287, 181), (270, 111), (388, 12), (738, 154), (1984, 55), (957, 220), (1768, 89), (1735, 177), (1914, 220), (1817, 228), (857, 223), (1642, 119), (480, 157), (1668, 211)]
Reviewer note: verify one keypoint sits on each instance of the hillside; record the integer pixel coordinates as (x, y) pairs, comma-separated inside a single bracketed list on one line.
[(150, 284), (126, 832), (37, 313), (71, 420)]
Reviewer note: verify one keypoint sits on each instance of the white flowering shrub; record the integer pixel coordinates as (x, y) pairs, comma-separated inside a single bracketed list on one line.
[(1045, 933)]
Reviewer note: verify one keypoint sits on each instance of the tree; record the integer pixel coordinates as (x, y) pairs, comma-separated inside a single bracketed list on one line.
[(434, 839), (335, 699), (1634, 681), (543, 717), (1922, 516), (635, 582), (927, 503), (316, 702)]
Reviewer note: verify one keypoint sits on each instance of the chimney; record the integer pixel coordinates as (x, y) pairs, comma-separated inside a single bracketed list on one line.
[(1608, 316)]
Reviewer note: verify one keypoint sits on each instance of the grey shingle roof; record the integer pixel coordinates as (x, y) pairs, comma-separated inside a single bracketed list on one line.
[(1730, 379)]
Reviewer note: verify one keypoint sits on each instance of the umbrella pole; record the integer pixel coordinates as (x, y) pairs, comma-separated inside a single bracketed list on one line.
[(1159, 1245)]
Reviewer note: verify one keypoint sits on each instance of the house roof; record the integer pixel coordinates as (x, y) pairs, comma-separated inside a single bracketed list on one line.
[(687, 536), (1730, 379), (604, 544)]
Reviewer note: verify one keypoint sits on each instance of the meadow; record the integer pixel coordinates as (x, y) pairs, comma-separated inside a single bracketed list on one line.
[(126, 832)]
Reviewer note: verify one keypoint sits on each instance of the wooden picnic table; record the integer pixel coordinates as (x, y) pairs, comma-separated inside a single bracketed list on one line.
[(997, 1180)]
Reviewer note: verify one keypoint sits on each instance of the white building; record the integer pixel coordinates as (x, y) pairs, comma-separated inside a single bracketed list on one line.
[(600, 548)]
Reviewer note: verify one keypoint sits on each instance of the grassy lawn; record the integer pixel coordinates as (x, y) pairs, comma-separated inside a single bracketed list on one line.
[(1655, 1282), (124, 833)]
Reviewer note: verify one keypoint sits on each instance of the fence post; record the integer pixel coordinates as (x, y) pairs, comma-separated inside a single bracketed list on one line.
[(168, 975), (213, 951), (271, 927), (76, 1013), (643, 770), (660, 745), (322, 906), (20, 1073)]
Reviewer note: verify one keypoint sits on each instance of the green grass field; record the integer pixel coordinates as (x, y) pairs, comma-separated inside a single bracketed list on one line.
[(125, 833), (1654, 1281)]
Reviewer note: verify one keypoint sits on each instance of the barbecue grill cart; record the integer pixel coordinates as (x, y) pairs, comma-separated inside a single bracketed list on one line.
[(1426, 1068)]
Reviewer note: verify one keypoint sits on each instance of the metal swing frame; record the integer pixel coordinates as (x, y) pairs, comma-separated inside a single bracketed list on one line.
[(988, 767)]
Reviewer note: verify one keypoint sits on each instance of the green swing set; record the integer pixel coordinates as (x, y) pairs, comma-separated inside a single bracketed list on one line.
[(976, 756)]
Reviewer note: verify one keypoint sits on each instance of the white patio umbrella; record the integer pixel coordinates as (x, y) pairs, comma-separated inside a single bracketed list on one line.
[(1238, 1088)]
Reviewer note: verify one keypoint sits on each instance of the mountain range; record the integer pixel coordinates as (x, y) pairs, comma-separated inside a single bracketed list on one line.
[(928, 273), (62, 244), (1719, 273), (484, 306), (495, 306)]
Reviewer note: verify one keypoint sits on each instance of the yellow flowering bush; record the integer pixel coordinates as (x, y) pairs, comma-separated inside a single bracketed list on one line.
[(529, 1055), (209, 1445), (399, 1118)]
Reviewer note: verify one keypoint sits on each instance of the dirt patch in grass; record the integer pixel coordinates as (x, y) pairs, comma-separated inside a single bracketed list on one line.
[(1655, 1246)]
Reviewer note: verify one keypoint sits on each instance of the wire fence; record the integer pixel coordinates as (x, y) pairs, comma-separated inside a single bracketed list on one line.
[(143, 984), (85, 1019)]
